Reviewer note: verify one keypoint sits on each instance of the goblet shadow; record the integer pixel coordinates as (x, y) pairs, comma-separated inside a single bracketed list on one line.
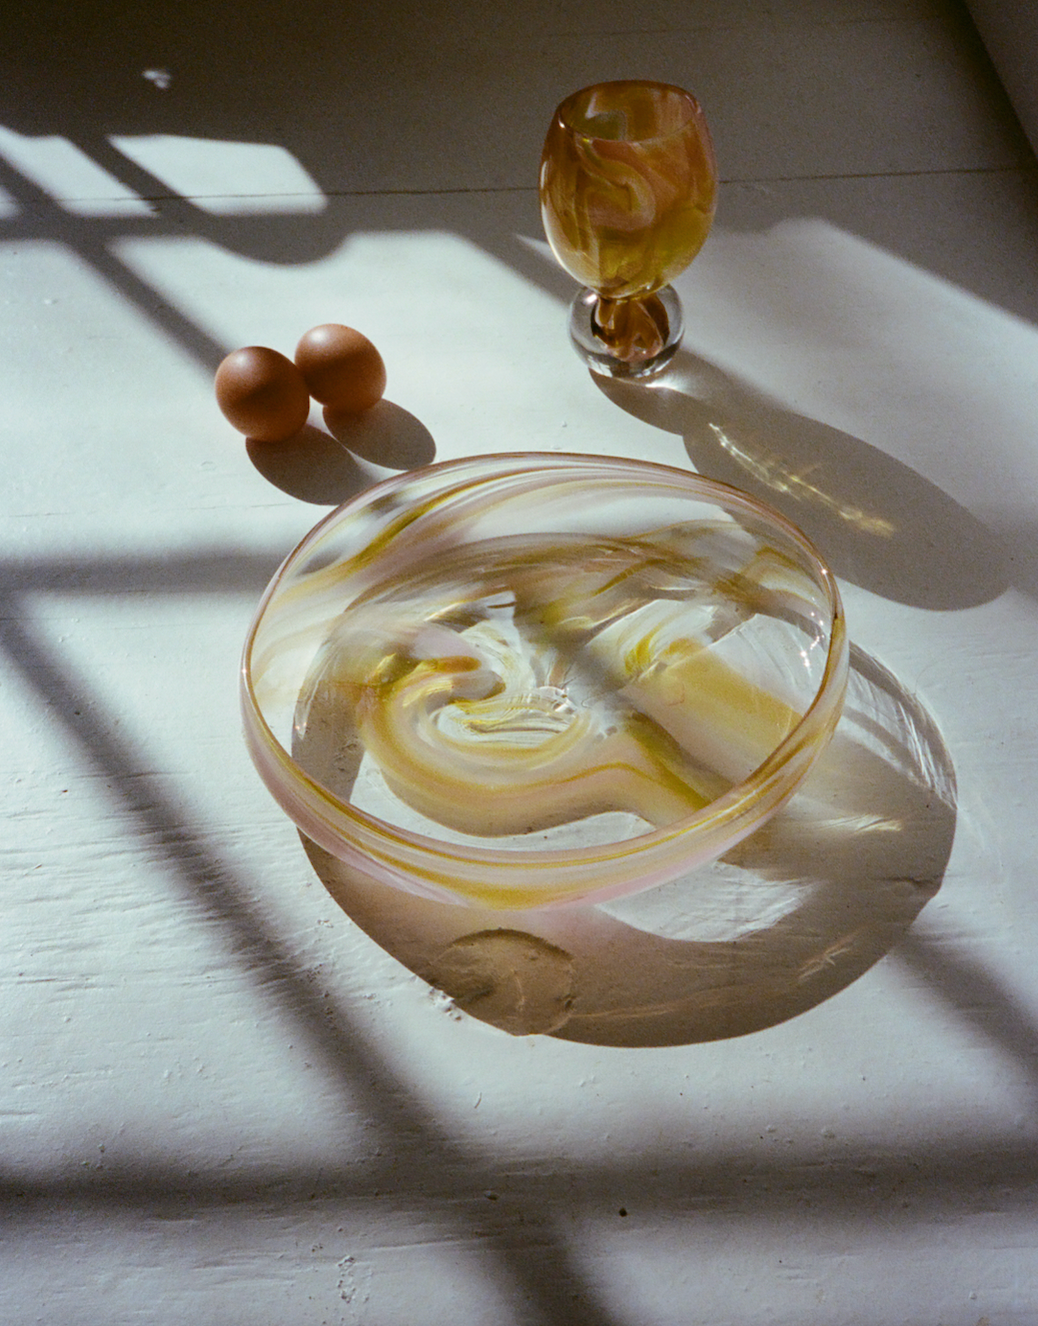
[(877, 522), (784, 921)]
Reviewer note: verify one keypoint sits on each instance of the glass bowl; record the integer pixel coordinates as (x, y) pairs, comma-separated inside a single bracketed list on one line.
[(533, 679)]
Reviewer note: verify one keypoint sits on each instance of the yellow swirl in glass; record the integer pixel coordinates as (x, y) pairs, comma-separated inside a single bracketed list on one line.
[(628, 186), (520, 680)]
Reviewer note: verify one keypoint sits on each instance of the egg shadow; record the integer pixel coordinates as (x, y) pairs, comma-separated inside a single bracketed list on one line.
[(322, 468), (877, 522), (787, 919), (310, 466), (385, 435)]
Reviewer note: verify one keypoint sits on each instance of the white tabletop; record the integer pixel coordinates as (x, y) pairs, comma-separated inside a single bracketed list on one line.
[(226, 1096)]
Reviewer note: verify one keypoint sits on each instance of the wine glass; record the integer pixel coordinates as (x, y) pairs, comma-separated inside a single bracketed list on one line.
[(628, 184)]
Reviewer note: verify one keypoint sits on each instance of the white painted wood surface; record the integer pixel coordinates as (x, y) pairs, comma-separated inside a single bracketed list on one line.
[(221, 1101)]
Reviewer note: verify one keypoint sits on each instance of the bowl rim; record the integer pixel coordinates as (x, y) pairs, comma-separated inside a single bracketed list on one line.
[(324, 817)]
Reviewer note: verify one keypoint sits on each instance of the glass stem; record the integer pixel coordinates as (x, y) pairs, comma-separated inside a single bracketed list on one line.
[(634, 329)]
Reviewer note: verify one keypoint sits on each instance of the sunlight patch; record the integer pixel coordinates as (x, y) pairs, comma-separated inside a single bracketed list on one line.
[(71, 178), (226, 179)]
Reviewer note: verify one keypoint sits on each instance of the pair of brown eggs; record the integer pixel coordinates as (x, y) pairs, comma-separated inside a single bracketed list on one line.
[(266, 395)]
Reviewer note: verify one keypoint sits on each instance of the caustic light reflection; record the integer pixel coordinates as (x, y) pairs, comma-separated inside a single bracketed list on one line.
[(771, 469)]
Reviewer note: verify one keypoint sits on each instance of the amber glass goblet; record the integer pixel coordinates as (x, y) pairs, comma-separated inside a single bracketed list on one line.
[(628, 185)]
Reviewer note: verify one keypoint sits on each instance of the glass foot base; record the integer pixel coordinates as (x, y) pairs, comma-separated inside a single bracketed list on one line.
[(632, 339)]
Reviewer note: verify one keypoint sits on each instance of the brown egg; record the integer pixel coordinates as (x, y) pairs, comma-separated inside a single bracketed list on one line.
[(262, 393), (341, 367)]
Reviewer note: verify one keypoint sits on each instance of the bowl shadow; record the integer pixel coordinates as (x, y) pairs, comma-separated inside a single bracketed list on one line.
[(790, 917)]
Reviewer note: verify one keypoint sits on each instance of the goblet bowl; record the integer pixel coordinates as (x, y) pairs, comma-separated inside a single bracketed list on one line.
[(628, 186)]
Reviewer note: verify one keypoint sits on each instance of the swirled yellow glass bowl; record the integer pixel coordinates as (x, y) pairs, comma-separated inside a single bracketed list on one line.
[(533, 679)]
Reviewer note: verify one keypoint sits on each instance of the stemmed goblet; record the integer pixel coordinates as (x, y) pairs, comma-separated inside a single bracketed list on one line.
[(628, 184)]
